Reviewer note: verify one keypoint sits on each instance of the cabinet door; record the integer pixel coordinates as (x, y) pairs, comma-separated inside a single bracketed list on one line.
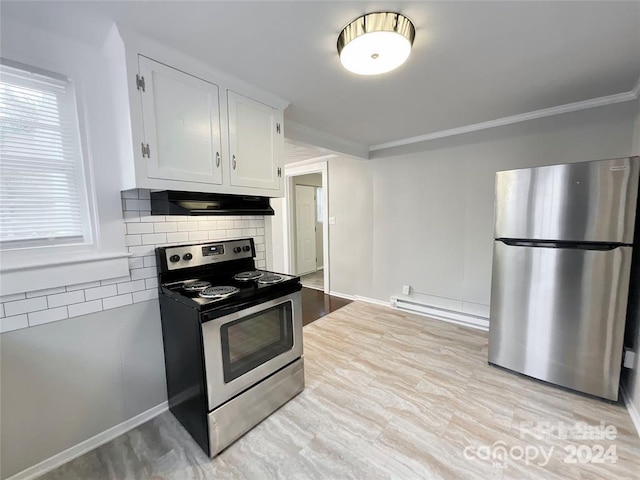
[(181, 116), (255, 143)]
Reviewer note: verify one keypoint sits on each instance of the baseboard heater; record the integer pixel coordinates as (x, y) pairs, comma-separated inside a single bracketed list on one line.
[(438, 313)]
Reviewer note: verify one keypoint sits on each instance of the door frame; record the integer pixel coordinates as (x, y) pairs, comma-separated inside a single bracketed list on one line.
[(294, 170)]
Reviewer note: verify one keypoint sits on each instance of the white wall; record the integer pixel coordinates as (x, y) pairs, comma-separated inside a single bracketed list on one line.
[(433, 209), (79, 359), (67, 376), (66, 381), (423, 215), (350, 238), (85, 65), (350, 203)]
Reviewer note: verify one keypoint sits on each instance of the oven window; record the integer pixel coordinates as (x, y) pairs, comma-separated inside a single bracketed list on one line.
[(256, 339)]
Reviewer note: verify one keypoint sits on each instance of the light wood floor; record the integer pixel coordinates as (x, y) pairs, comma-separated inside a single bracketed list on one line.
[(313, 280), (388, 395)]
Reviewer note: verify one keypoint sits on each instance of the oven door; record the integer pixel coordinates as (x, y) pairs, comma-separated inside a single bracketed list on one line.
[(245, 347)]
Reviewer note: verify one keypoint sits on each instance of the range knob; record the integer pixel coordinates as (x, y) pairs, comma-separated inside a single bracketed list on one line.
[(174, 258), (246, 248), (237, 249), (187, 256)]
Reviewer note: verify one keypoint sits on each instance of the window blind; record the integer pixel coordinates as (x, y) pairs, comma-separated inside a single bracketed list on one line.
[(42, 196)]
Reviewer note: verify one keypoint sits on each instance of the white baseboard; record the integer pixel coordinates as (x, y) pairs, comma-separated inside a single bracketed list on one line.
[(360, 299), (313, 288), (631, 408), (371, 300), (342, 295), (81, 448), (451, 316)]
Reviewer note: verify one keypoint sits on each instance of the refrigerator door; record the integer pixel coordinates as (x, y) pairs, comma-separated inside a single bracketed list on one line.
[(559, 314), (580, 202)]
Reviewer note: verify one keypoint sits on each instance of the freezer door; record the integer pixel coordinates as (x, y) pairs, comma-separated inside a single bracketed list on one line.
[(559, 314), (581, 202)]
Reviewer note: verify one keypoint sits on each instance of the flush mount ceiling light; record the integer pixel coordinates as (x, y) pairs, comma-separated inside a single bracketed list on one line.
[(376, 43)]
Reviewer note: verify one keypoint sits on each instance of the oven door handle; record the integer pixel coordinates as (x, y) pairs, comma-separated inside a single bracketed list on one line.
[(245, 312)]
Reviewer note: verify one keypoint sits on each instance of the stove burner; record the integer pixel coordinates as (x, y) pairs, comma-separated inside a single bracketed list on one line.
[(246, 276), (196, 286), (218, 292), (270, 278)]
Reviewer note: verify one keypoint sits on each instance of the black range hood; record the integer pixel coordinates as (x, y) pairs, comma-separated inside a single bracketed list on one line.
[(170, 202)]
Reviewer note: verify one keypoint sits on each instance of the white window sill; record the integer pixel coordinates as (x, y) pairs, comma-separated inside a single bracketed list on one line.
[(26, 275)]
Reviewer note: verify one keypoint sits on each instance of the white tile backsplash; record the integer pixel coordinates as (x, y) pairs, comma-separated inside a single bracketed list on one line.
[(25, 306), (165, 227), (149, 261), (7, 324), (145, 295), (147, 272), (47, 316), (84, 308), (133, 228), (65, 298), (119, 301), (198, 236), (101, 292), (129, 287), (179, 237), (133, 240), (143, 233), (187, 226), (154, 238)]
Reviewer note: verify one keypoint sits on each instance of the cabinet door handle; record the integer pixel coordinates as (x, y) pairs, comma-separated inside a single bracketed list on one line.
[(233, 162), (217, 159)]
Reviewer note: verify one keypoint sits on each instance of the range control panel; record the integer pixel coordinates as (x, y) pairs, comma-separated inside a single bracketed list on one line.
[(187, 256)]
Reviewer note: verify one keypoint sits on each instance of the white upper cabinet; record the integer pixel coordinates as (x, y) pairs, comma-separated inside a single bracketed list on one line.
[(181, 115), (255, 143), (186, 126)]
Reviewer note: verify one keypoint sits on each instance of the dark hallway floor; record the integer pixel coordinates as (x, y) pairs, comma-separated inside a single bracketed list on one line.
[(315, 304)]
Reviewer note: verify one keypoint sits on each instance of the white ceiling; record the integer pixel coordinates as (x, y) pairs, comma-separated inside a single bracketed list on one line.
[(472, 61), (295, 152)]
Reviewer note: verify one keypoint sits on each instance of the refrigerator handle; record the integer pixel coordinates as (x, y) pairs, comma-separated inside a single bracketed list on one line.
[(513, 242)]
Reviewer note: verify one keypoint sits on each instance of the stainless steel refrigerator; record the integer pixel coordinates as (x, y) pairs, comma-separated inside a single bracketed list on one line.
[(562, 259)]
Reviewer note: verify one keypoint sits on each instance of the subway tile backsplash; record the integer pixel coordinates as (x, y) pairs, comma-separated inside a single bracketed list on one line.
[(143, 233)]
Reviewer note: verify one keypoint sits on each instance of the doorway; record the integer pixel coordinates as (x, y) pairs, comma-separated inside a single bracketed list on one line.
[(307, 229), (306, 224)]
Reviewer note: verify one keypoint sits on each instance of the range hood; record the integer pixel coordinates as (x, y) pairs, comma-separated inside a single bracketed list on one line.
[(169, 202)]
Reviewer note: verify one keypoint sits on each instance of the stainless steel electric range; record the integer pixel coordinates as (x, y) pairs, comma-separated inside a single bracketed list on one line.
[(232, 339)]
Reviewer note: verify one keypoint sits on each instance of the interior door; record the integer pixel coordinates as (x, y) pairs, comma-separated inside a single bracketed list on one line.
[(305, 229), (181, 116), (256, 143), (558, 314)]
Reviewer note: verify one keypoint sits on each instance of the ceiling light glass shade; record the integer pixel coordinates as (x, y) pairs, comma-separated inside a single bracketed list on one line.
[(376, 43)]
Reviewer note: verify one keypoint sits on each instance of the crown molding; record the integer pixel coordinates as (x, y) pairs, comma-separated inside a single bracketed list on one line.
[(299, 133), (636, 89), (523, 117)]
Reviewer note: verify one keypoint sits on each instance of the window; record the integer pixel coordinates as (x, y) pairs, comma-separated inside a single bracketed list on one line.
[(319, 204), (43, 197)]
